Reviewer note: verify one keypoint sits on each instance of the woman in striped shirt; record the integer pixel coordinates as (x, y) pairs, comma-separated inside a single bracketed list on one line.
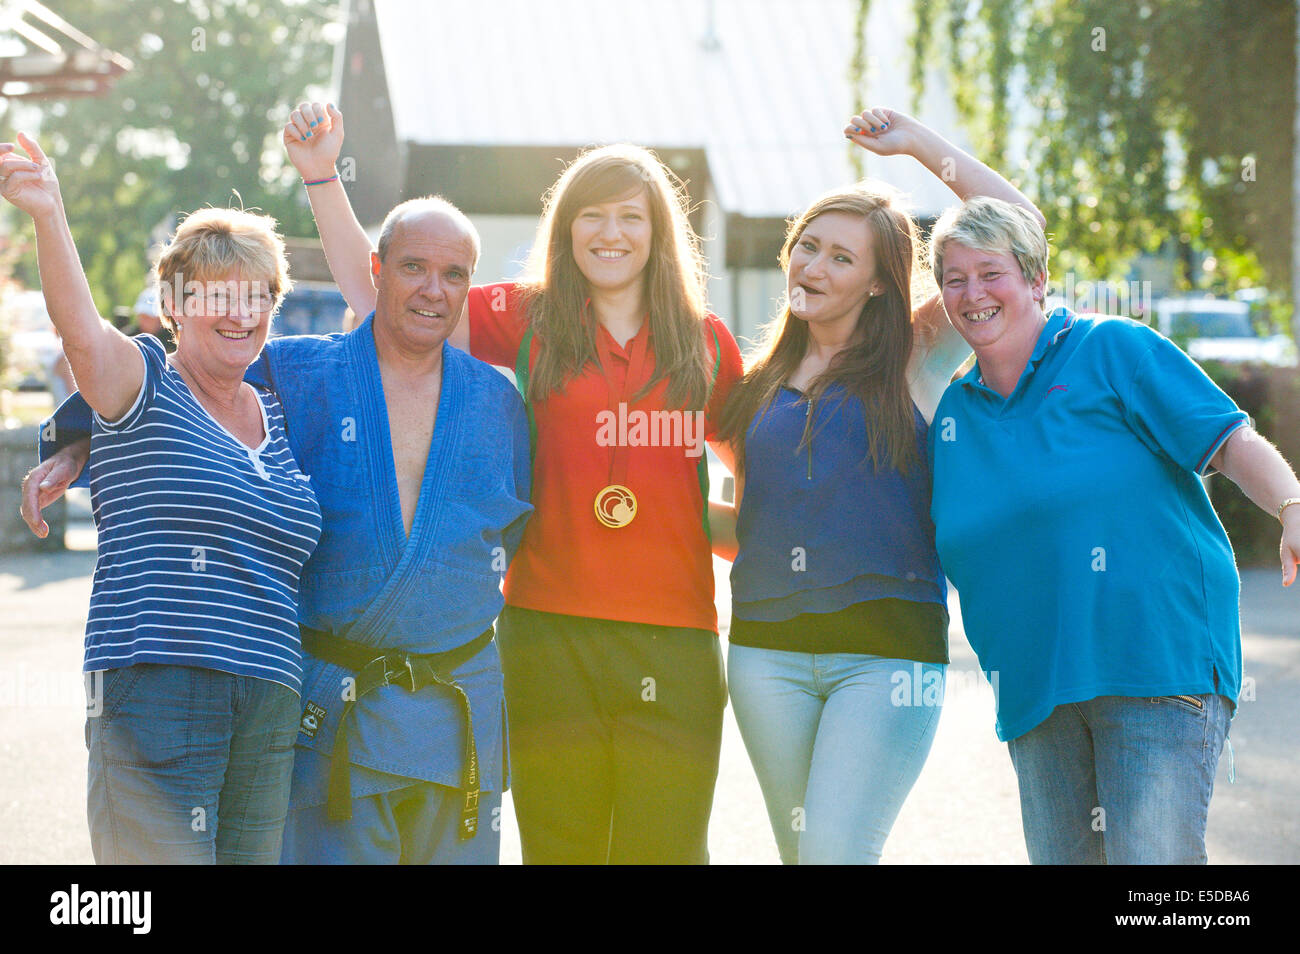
[(193, 660)]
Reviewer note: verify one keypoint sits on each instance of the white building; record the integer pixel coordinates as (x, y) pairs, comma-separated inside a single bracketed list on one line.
[(485, 101)]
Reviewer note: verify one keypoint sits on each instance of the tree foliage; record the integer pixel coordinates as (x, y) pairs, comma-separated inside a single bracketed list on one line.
[(195, 122), (1146, 123)]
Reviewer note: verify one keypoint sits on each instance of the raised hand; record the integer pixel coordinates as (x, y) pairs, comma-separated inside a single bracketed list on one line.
[(29, 184), (313, 138), (886, 132)]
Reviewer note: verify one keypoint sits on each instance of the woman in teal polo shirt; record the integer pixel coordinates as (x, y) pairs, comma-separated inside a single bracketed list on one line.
[(1097, 584)]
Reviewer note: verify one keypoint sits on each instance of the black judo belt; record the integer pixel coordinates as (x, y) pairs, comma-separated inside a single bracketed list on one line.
[(411, 671)]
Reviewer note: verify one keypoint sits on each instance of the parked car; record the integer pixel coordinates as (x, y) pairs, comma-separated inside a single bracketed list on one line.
[(33, 345), (311, 308), (1218, 329)]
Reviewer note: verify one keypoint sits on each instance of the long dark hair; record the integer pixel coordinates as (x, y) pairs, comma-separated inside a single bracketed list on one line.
[(873, 367)]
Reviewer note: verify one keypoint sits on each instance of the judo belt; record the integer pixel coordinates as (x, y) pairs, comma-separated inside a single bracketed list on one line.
[(411, 671)]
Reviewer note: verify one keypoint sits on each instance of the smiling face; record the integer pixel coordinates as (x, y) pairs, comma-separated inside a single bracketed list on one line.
[(832, 270), (611, 242), (422, 281), (990, 303), (223, 322)]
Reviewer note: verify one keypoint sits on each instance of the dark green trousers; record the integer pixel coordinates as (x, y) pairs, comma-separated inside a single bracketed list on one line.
[(615, 730)]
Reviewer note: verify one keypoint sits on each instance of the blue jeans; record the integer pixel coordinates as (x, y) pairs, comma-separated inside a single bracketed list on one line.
[(837, 741), (1120, 779), (189, 766)]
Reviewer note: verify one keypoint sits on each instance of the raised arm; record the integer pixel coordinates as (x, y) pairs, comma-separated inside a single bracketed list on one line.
[(938, 349), (313, 138), (109, 369), (887, 132)]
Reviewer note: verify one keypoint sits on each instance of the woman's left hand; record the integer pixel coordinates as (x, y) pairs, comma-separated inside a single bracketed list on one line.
[(886, 132), (29, 184), (1289, 549)]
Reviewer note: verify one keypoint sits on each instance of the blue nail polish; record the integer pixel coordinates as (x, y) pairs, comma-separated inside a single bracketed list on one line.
[(883, 125), (857, 131), (873, 128), (308, 136), (314, 123)]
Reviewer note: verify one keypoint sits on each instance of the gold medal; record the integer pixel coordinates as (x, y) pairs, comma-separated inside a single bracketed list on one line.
[(615, 506)]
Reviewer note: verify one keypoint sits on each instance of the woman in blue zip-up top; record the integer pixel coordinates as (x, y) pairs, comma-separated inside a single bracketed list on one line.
[(838, 637)]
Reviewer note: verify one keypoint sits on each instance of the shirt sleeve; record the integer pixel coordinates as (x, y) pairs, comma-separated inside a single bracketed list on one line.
[(155, 360), (731, 368), (496, 323), (69, 423), (1174, 407)]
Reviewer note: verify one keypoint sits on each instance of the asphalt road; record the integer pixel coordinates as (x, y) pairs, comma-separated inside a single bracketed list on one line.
[(963, 810)]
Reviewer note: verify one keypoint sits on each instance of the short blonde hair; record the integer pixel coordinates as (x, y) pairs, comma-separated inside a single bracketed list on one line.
[(211, 243), (992, 225)]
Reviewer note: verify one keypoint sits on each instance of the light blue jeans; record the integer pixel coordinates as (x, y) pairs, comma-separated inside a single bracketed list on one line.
[(1121, 779), (837, 741)]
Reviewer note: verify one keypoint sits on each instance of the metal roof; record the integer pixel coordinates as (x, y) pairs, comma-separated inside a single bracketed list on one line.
[(43, 56), (764, 90)]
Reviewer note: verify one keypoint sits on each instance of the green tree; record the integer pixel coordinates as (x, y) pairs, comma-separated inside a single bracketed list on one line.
[(195, 122), (1149, 123)]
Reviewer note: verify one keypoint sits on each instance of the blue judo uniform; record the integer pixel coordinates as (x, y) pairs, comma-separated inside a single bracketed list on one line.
[(369, 583)]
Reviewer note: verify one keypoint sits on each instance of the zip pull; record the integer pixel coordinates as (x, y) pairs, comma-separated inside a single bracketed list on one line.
[(806, 415)]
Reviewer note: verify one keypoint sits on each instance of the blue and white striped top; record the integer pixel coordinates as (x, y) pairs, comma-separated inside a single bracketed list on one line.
[(201, 538)]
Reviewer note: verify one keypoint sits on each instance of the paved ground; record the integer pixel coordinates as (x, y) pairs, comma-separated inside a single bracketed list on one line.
[(963, 810)]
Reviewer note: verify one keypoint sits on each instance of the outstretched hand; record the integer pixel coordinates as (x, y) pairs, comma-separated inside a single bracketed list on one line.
[(886, 132), (28, 184), (313, 138)]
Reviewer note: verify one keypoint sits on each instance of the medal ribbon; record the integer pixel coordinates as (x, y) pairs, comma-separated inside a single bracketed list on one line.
[(618, 462)]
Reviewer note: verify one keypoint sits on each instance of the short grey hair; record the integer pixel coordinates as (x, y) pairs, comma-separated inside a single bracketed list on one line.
[(992, 225), (426, 203)]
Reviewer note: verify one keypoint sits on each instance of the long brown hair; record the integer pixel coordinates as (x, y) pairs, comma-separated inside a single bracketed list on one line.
[(873, 367), (555, 292)]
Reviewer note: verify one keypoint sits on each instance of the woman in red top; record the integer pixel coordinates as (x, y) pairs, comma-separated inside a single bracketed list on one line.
[(613, 675)]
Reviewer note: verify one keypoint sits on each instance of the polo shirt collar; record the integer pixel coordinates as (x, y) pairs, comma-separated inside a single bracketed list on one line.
[(617, 349), (1059, 323)]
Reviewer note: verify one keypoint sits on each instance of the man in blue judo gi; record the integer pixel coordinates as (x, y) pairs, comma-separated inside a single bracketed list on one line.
[(418, 454)]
